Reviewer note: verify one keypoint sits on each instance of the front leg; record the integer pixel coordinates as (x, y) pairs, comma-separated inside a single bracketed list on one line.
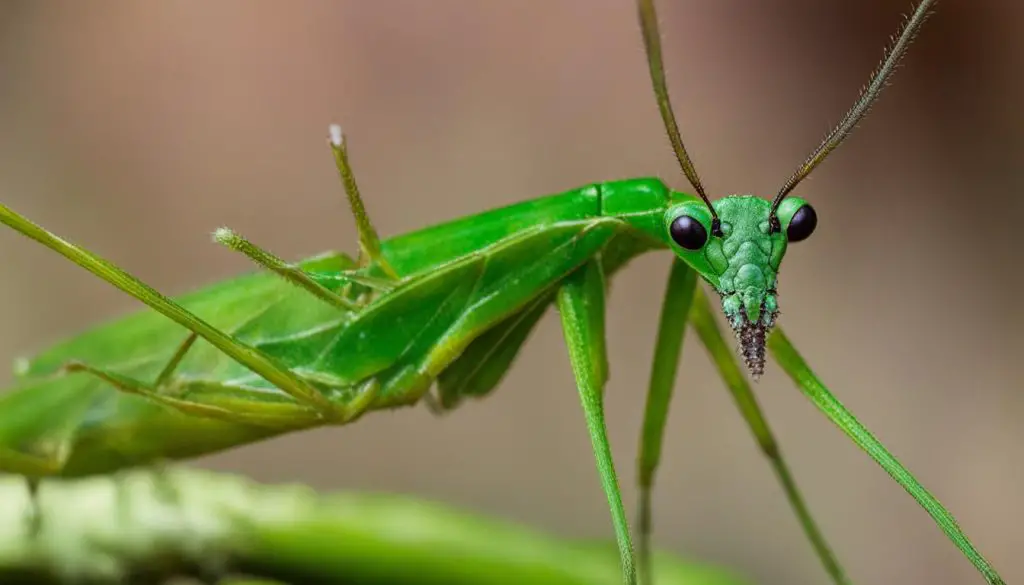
[(812, 387), (725, 359), (682, 282), (581, 305)]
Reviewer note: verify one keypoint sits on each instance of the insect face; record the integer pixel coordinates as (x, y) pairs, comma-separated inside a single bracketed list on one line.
[(743, 262)]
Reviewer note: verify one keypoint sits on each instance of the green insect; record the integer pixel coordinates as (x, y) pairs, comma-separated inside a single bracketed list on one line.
[(448, 307)]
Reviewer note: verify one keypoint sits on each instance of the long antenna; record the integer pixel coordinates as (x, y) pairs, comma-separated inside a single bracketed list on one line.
[(652, 44), (867, 97)]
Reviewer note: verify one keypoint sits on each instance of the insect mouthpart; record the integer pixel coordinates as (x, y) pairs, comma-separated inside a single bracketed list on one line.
[(752, 343), (751, 334)]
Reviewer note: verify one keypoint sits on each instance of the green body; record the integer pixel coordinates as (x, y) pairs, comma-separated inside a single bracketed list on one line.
[(488, 275)]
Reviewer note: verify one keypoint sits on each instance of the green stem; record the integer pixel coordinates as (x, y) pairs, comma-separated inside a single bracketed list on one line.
[(143, 527)]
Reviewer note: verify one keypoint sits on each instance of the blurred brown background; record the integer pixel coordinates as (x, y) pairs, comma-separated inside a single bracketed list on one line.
[(137, 128)]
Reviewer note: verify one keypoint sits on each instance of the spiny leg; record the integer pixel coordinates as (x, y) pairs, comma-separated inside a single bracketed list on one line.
[(667, 350), (581, 306), (320, 285), (369, 241), (250, 357), (253, 413), (703, 320), (146, 390), (292, 274), (152, 391), (794, 365), (256, 414)]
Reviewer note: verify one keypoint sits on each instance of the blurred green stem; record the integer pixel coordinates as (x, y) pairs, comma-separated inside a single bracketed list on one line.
[(144, 527)]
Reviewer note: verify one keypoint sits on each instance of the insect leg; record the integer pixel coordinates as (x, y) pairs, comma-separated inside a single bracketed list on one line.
[(703, 320), (33, 468), (472, 356), (292, 274), (250, 357), (33, 465), (794, 365), (581, 306), (165, 380), (242, 412), (675, 309), (336, 289), (351, 277), (34, 515), (369, 241), (175, 361), (150, 391)]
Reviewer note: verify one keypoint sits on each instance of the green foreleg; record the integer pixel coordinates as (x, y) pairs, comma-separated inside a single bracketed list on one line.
[(581, 305), (811, 386), (678, 299), (703, 319), (667, 350), (250, 357)]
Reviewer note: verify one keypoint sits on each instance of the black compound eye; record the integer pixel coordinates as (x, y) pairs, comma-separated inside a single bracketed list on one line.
[(802, 225), (688, 232)]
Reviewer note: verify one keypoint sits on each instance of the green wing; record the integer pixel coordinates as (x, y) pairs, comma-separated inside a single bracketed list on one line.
[(111, 429)]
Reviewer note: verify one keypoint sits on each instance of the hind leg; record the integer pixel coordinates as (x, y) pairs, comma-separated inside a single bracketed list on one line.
[(34, 467), (250, 357), (240, 411), (291, 273), (345, 289), (221, 400), (157, 391), (369, 241)]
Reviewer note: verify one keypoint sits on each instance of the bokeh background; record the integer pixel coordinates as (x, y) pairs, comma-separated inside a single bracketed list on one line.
[(137, 128)]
